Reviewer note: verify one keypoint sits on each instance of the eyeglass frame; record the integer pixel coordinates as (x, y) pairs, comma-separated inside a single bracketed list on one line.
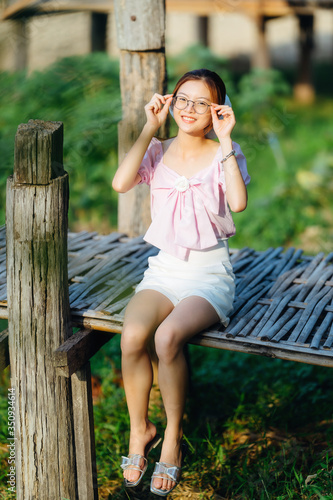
[(174, 100)]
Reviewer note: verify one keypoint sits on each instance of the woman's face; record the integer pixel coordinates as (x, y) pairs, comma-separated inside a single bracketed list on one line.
[(188, 119)]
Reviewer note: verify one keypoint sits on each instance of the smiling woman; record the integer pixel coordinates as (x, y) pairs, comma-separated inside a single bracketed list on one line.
[(189, 285)]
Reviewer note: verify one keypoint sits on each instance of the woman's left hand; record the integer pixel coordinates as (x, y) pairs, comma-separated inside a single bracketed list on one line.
[(222, 126)]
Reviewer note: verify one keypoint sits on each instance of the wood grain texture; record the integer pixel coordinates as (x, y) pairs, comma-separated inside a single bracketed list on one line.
[(141, 75), (84, 433), (140, 25), (39, 317), (140, 33), (76, 351), (38, 152)]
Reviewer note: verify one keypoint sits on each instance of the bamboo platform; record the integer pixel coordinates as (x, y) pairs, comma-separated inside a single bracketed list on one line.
[(283, 306)]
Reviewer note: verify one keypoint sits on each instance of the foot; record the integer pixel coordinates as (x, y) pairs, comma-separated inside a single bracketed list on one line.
[(138, 442), (172, 456)]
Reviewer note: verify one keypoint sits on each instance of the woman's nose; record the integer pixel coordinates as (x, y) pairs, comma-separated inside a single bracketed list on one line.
[(190, 105)]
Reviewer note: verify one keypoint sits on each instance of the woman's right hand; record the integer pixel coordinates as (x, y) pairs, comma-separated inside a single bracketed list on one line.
[(157, 109)]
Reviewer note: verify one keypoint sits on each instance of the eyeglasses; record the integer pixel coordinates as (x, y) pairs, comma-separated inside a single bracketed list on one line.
[(199, 107)]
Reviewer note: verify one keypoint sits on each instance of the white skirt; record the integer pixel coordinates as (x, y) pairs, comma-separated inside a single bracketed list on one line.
[(206, 273)]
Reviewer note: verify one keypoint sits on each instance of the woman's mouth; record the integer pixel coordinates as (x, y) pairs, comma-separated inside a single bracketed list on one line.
[(188, 119)]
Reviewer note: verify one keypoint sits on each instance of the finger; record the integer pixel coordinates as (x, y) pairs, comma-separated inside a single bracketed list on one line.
[(162, 98), (157, 106), (220, 105), (156, 101), (168, 102), (227, 111), (222, 108), (165, 110), (214, 114)]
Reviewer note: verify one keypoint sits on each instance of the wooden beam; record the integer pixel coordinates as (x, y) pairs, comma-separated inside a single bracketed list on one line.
[(251, 345), (4, 350), (3, 311), (76, 351), (28, 8), (84, 433), (252, 7), (274, 8), (16, 8)]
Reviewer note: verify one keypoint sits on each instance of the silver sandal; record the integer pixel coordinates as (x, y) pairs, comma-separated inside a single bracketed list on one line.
[(171, 473), (134, 462)]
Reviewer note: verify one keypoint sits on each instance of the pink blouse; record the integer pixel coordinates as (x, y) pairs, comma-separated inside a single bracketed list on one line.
[(187, 213)]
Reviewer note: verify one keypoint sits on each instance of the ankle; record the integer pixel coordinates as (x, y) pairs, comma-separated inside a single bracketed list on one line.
[(142, 428), (175, 435)]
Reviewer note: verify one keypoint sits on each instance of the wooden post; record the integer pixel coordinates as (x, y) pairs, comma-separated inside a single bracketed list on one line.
[(140, 33), (98, 31), (39, 314), (304, 89), (203, 30), (21, 41), (260, 58), (84, 433)]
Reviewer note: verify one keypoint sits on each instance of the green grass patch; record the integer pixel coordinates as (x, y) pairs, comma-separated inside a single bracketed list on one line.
[(257, 428)]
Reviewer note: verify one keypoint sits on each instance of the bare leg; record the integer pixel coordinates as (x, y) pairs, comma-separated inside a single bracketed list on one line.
[(146, 310), (189, 317)]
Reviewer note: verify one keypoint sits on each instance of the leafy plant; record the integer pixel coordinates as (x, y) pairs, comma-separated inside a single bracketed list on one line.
[(83, 93)]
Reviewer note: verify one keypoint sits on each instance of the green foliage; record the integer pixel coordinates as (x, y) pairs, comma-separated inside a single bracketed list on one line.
[(290, 159), (287, 146), (197, 57), (259, 89), (83, 93)]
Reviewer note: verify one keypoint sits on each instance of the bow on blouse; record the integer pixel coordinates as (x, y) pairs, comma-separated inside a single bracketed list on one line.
[(190, 201)]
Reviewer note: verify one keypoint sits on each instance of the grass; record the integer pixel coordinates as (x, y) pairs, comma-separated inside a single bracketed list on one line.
[(257, 428)]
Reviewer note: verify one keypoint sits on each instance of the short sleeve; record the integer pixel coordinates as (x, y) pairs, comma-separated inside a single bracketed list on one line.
[(152, 155), (241, 160)]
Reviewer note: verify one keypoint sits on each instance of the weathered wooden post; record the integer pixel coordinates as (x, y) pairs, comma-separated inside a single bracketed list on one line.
[(141, 39), (260, 58), (39, 314), (304, 90)]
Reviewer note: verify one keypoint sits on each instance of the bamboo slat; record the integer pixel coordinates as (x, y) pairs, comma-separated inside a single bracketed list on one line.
[(283, 303)]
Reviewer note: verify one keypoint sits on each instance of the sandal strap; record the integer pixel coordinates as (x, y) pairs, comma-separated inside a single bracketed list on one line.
[(172, 471), (133, 462)]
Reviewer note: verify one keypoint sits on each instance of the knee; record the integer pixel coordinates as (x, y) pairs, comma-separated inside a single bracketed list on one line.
[(133, 339), (167, 344)]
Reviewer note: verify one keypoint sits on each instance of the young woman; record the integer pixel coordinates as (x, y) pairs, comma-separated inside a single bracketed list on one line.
[(189, 285)]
